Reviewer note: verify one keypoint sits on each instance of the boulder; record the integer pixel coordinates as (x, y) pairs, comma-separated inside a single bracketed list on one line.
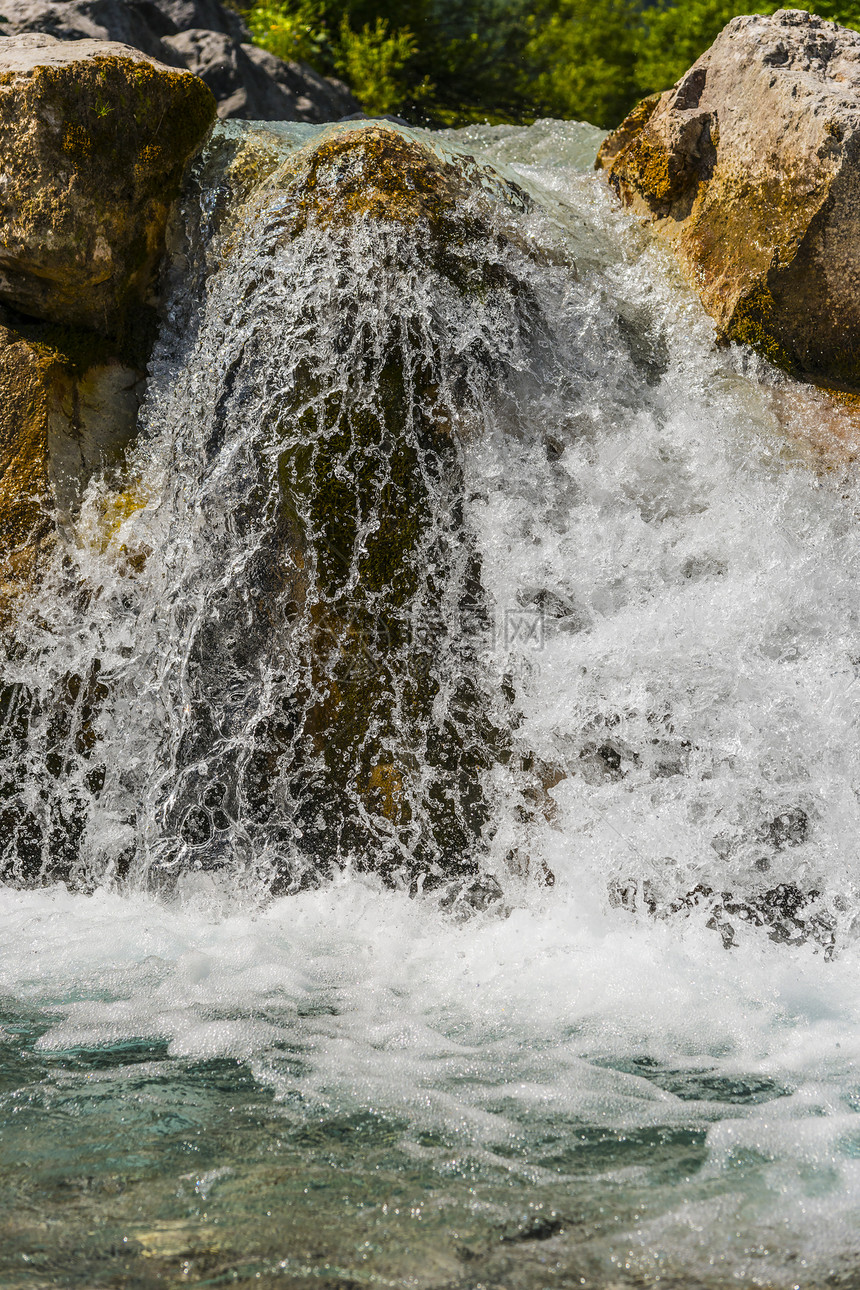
[(202, 35), (182, 15), (252, 84), (86, 20), (749, 167), (94, 138), (375, 740)]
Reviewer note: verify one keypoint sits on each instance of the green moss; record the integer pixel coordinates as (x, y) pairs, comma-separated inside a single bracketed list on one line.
[(632, 125), (374, 614), (382, 175), (754, 323)]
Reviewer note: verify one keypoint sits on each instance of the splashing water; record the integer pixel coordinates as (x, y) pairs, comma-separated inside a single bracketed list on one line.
[(264, 740)]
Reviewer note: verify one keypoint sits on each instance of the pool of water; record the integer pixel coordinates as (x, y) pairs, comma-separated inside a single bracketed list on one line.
[(348, 1089)]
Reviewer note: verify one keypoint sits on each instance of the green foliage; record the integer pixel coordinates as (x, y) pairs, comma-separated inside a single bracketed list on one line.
[(374, 64), (584, 58), (672, 36), (448, 62), (292, 29)]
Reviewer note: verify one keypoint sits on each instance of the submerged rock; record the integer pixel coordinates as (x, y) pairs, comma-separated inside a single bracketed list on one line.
[(750, 168), (94, 139), (372, 290)]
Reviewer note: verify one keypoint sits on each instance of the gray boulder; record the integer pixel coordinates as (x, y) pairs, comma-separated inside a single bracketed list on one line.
[(253, 85), (85, 20), (201, 35), (317, 98), (182, 15)]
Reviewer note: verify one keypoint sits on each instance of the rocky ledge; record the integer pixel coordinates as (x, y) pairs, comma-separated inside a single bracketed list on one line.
[(94, 139)]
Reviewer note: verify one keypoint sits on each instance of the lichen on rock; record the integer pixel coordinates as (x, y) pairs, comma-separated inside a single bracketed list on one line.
[(750, 168), (94, 138)]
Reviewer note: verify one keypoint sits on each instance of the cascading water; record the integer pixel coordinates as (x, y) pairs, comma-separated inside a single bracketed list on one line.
[(429, 774)]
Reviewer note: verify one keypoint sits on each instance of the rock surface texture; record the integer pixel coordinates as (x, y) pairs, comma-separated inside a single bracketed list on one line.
[(94, 138), (750, 168), (31, 381), (202, 36)]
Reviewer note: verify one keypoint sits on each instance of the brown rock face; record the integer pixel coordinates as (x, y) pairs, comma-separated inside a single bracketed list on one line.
[(94, 138), (30, 388), (59, 420), (750, 168)]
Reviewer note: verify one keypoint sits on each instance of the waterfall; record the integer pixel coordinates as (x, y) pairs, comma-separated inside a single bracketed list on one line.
[(435, 742)]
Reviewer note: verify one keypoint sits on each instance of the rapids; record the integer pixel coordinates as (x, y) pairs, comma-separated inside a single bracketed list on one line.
[(611, 1037)]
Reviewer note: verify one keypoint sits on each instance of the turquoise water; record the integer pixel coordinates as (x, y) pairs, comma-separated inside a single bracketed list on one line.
[(347, 1089)]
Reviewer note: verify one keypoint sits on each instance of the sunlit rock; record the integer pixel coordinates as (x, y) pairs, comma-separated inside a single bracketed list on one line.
[(750, 168), (31, 388), (94, 138), (65, 410)]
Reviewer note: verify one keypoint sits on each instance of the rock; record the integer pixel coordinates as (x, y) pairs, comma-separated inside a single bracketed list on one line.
[(317, 98), (750, 168), (85, 20), (202, 35), (252, 84), (94, 138), (62, 415), (182, 15), (375, 741), (31, 382)]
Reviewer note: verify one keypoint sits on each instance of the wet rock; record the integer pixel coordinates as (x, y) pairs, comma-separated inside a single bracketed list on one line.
[(381, 726), (789, 829), (311, 97), (365, 513), (750, 168), (62, 414), (94, 139), (203, 36), (786, 913)]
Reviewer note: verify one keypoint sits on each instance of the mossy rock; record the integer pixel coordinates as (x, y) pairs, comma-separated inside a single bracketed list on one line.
[(94, 139), (750, 169), (376, 746)]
